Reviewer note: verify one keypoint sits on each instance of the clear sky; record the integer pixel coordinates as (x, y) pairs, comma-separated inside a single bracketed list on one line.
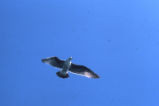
[(117, 39)]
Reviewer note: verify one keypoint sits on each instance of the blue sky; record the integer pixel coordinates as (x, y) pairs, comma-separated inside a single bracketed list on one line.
[(117, 39)]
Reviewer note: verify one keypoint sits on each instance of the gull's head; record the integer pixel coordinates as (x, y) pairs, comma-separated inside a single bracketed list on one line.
[(70, 58)]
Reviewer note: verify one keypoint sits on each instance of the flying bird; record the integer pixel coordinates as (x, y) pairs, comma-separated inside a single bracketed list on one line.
[(67, 66)]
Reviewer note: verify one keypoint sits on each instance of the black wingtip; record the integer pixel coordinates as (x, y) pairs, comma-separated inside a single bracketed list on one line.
[(96, 76), (43, 60)]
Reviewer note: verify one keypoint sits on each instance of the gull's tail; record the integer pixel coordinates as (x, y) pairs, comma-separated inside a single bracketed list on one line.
[(61, 75)]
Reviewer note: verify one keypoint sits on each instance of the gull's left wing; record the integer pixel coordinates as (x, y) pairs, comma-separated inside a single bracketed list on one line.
[(82, 70)]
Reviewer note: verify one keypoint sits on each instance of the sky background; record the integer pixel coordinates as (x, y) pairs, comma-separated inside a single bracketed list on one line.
[(117, 39)]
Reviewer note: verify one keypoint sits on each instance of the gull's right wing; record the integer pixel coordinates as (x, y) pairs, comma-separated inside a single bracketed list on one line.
[(54, 61)]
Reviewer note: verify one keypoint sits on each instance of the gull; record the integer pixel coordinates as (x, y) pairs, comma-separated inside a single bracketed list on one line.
[(67, 66)]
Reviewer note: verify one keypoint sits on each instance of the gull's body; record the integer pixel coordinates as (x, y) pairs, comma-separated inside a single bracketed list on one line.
[(67, 66)]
